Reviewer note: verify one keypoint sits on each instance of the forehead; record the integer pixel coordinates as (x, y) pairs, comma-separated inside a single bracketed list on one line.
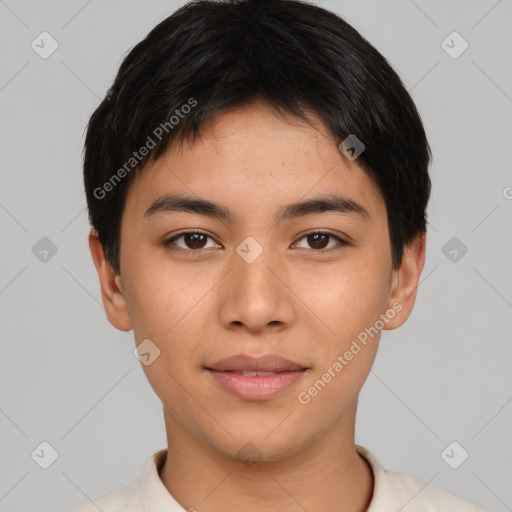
[(256, 159)]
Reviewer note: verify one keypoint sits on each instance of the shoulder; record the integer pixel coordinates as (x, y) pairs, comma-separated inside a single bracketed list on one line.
[(116, 501), (146, 493), (400, 491), (417, 495)]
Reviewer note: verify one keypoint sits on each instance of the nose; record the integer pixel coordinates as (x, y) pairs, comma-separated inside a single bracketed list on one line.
[(257, 296)]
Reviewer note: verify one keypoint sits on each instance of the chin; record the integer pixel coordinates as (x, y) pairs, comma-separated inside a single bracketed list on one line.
[(259, 447)]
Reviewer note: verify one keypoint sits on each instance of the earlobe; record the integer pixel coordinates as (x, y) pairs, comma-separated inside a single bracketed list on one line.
[(112, 292), (405, 280)]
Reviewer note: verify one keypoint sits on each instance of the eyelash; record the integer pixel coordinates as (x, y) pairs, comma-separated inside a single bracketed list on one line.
[(193, 252)]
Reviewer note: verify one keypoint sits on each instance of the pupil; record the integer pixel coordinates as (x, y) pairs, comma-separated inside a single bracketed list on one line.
[(315, 238), (194, 238)]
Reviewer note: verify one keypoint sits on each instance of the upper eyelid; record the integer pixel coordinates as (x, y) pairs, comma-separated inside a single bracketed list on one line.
[(341, 240), (173, 238)]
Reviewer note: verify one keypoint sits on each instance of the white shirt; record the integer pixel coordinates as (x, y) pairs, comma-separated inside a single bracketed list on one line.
[(392, 492)]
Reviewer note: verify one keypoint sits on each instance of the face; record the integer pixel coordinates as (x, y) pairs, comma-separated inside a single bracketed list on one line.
[(311, 285)]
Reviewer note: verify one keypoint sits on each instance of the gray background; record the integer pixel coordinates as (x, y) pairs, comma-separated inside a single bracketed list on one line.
[(71, 379)]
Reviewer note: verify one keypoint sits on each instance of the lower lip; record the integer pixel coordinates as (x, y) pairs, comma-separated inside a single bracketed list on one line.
[(256, 388)]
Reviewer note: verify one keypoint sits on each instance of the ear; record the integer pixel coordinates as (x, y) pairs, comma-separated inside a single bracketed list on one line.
[(111, 287), (405, 280)]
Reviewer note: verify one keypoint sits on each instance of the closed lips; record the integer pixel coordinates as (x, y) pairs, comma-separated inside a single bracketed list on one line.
[(253, 373), (252, 366)]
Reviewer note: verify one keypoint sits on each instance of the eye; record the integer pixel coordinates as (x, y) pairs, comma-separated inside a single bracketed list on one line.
[(193, 240), (317, 239)]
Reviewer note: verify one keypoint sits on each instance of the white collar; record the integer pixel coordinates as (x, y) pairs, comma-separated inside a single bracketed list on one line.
[(393, 491)]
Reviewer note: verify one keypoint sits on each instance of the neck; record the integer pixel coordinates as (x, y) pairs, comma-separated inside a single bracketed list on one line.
[(328, 474)]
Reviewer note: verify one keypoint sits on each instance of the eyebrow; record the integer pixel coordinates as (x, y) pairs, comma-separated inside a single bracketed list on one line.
[(176, 203)]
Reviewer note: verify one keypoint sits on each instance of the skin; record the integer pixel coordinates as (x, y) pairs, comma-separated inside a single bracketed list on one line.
[(290, 301)]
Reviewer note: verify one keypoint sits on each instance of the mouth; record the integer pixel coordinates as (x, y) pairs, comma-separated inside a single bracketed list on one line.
[(255, 378), (251, 373)]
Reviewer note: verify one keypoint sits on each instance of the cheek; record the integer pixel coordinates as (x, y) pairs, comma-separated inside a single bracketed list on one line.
[(335, 387), (168, 315), (353, 303), (172, 322), (171, 308), (160, 298), (346, 298), (355, 299)]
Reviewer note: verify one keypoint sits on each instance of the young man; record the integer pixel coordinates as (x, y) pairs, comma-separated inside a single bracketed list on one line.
[(257, 181)]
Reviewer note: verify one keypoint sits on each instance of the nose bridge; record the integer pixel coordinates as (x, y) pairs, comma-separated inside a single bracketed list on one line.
[(255, 266), (255, 294)]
